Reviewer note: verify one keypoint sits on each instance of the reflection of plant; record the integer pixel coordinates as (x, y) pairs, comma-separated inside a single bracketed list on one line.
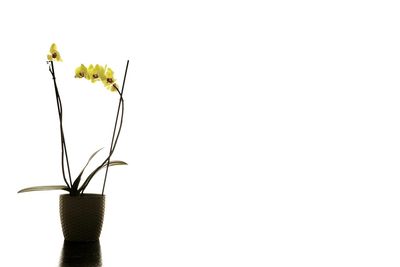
[(94, 74)]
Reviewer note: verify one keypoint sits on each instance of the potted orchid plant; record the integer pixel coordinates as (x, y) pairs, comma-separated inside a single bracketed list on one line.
[(82, 214)]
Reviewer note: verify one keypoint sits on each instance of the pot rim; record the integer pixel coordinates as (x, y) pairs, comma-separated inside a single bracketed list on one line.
[(88, 195)]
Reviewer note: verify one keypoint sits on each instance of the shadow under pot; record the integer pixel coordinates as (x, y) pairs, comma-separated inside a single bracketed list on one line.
[(82, 216)]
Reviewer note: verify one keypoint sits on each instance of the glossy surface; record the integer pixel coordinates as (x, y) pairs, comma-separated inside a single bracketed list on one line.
[(136, 232), (36, 238)]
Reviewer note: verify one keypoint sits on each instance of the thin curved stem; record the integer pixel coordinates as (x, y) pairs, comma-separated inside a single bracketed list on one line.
[(114, 138), (64, 153)]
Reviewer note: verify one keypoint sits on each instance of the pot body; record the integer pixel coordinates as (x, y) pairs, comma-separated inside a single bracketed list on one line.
[(82, 216)]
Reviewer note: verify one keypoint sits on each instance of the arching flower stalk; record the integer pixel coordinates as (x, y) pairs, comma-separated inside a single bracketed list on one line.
[(54, 55), (106, 76)]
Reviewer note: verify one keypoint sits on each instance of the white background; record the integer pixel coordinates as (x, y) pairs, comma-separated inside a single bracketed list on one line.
[(258, 133)]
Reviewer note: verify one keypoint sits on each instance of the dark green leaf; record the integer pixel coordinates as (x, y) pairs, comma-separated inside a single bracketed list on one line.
[(115, 163), (44, 188), (74, 188), (89, 178), (92, 157)]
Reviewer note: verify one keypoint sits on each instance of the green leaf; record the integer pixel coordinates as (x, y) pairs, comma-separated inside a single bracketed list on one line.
[(115, 163), (89, 178), (74, 188), (44, 188), (91, 158)]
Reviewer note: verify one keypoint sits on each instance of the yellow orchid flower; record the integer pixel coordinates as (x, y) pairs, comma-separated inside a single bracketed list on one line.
[(96, 73), (53, 54), (109, 80), (81, 72)]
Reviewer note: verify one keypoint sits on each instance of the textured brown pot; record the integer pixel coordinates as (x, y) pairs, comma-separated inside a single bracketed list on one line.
[(82, 216)]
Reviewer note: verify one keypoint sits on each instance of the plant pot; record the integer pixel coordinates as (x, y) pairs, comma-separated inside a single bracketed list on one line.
[(82, 216)]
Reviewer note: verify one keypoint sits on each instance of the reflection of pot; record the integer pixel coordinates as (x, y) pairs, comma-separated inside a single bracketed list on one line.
[(81, 254), (82, 216)]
